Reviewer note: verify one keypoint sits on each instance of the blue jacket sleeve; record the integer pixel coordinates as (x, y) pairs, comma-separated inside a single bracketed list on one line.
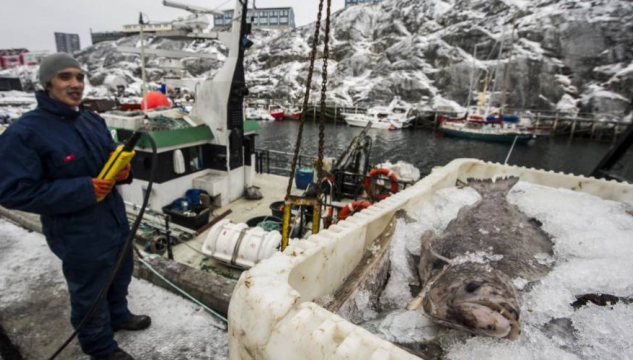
[(23, 185)]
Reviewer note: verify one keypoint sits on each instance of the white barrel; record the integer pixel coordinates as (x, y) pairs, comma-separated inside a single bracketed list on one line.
[(240, 246)]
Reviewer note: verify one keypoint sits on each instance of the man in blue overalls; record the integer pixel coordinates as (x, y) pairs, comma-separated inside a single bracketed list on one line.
[(51, 157)]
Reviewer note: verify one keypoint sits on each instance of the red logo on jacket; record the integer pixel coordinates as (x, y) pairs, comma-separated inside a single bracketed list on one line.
[(69, 157)]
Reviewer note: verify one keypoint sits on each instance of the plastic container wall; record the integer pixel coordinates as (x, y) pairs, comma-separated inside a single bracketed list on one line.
[(271, 314)]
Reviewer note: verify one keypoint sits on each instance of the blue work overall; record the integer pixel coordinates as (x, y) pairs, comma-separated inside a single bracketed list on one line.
[(48, 159)]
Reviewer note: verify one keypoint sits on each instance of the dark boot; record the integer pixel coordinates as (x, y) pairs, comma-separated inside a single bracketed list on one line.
[(137, 322), (118, 354)]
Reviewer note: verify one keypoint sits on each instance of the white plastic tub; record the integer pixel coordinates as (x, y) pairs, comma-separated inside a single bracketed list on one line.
[(272, 314)]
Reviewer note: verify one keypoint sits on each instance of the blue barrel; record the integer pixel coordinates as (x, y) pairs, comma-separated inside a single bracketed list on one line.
[(303, 177)]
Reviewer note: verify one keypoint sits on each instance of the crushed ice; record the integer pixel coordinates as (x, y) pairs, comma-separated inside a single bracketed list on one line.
[(593, 248)]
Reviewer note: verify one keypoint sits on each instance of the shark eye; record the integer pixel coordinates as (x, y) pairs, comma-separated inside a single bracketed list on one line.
[(473, 286)]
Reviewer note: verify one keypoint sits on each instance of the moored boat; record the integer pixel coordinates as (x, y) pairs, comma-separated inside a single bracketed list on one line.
[(492, 128), (393, 117)]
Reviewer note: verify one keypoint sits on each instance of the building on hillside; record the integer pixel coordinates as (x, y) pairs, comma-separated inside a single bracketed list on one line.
[(68, 43), (358, 2), (12, 57), (264, 18), (97, 37), (10, 83), (150, 28), (34, 57)]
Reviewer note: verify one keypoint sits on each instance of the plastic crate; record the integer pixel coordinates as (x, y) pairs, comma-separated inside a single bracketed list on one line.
[(190, 222)]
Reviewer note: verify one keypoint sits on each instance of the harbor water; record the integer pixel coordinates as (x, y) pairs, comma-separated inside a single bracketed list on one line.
[(426, 149)]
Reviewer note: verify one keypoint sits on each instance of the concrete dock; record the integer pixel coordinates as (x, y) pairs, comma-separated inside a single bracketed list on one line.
[(35, 310)]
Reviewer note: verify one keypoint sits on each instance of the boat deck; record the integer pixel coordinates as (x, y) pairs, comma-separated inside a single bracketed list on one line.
[(272, 187)]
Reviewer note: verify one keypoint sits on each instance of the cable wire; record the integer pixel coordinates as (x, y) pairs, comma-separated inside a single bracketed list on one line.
[(185, 293), (122, 254)]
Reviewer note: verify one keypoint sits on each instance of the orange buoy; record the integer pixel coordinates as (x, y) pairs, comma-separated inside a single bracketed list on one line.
[(352, 208), (373, 175), (154, 99)]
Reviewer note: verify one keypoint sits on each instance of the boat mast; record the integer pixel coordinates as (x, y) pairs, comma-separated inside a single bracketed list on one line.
[(494, 87), (506, 78)]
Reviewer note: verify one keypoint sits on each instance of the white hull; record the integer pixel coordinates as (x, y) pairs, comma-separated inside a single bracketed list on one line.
[(384, 124)]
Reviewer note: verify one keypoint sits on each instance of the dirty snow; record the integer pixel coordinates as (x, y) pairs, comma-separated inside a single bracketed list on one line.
[(593, 247), (179, 328)]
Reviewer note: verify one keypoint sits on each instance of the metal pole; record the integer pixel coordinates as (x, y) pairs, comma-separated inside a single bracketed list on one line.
[(268, 161), (170, 254), (512, 148), (144, 87), (472, 78)]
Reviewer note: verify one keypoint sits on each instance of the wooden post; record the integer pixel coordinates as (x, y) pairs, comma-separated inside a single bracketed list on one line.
[(555, 124), (435, 122), (314, 113), (335, 113), (538, 122), (573, 128), (593, 128)]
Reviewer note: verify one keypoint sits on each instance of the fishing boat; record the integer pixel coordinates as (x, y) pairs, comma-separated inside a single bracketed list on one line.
[(393, 117), (277, 112), (259, 113), (491, 128), (293, 113), (483, 122)]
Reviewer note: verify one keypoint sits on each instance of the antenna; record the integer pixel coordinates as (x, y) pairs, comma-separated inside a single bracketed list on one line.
[(196, 10)]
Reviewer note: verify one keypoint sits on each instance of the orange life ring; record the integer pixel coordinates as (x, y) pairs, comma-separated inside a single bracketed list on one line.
[(352, 208), (374, 173)]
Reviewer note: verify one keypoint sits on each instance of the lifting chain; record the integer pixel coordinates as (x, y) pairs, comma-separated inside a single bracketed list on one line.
[(315, 41), (326, 55), (290, 200)]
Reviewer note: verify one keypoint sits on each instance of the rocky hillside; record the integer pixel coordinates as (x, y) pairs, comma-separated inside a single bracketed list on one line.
[(564, 55), (557, 55)]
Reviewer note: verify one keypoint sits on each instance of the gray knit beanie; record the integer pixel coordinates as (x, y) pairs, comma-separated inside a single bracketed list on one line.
[(53, 63)]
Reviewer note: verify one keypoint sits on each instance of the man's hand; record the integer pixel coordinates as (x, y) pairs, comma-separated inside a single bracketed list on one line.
[(102, 187), (123, 174)]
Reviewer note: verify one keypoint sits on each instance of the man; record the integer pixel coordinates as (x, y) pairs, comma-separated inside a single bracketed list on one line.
[(51, 157)]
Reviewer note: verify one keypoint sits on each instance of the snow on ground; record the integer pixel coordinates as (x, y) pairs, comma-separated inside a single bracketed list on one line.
[(593, 247), (179, 328)]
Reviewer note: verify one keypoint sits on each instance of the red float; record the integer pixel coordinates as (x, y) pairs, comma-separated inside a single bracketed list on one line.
[(154, 99)]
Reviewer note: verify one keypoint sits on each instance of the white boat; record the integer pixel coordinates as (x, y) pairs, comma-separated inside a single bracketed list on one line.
[(393, 117), (258, 113)]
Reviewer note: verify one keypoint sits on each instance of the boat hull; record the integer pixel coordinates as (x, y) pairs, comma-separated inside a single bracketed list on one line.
[(278, 116), (505, 138)]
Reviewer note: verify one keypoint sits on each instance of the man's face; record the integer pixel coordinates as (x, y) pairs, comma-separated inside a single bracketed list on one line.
[(67, 86)]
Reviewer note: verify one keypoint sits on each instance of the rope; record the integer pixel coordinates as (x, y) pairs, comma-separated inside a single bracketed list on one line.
[(185, 293), (269, 225)]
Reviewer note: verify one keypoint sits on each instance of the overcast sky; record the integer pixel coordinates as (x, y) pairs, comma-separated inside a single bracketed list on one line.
[(31, 24)]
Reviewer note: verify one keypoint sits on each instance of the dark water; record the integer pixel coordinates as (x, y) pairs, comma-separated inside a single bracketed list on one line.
[(425, 149)]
